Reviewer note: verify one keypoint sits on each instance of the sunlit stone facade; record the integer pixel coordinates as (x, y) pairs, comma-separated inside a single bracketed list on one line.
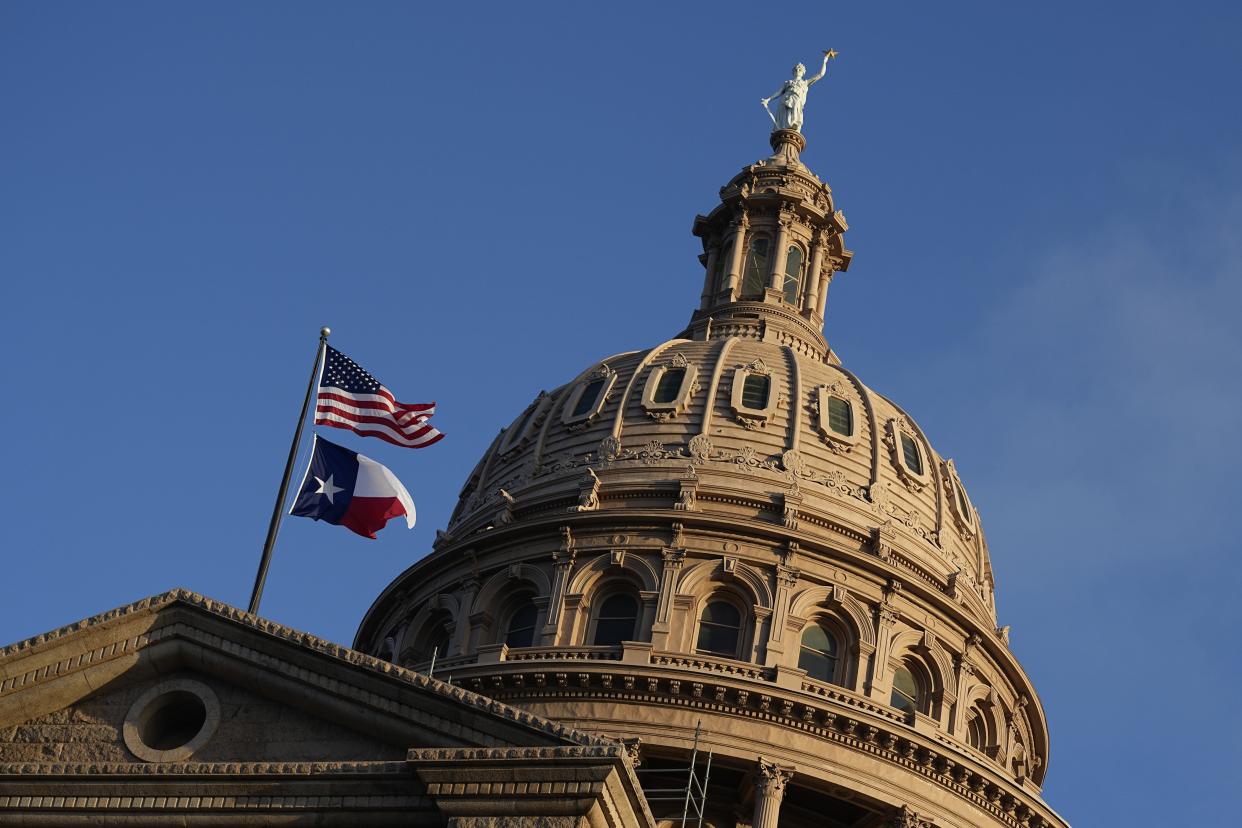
[(730, 531)]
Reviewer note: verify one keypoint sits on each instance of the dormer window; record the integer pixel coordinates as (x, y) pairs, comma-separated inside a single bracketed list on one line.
[(752, 399), (910, 454), (755, 274), (669, 385), (840, 417), (755, 390), (586, 401), (793, 275), (516, 434), (959, 503), (907, 454), (669, 388), (836, 416)]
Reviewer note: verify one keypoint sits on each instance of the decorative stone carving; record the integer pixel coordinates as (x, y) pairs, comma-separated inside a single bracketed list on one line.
[(789, 510), (882, 538), (687, 495), (504, 516), (700, 448), (588, 493)]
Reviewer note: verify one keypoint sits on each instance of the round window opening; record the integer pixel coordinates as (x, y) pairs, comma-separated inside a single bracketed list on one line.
[(171, 720)]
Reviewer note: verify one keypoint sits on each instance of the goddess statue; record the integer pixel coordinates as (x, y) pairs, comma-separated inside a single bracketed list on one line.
[(791, 97)]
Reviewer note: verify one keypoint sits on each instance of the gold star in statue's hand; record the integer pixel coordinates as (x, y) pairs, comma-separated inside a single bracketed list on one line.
[(830, 54)]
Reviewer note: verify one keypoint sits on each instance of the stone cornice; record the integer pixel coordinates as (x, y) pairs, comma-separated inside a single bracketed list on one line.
[(213, 769), (836, 715)]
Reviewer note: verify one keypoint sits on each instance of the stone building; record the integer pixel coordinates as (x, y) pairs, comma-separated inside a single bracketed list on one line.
[(730, 532), (724, 545)]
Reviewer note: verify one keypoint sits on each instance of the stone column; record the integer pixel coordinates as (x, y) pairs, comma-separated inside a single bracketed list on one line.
[(821, 303), (815, 276), (709, 288), (770, 781), (776, 276), (740, 225)]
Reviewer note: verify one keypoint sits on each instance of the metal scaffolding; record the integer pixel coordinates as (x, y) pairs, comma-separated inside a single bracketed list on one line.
[(692, 795)]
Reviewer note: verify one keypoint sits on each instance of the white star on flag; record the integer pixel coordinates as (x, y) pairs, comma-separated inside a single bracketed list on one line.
[(327, 488)]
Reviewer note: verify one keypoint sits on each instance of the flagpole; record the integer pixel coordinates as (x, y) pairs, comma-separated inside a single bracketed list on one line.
[(257, 594)]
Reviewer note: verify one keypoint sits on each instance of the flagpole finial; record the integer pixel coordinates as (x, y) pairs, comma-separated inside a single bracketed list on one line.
[(324, 332)]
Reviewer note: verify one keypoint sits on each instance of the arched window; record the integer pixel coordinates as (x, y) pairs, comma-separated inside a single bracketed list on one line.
[(723, 258), (617, 619), (793, 274), (520, 631), (755, 390), (818, 655), (976, 728), (908, 693), (669, 385), (911, 454), (586, 400), (756, 271), (720, 629), (432, 637)]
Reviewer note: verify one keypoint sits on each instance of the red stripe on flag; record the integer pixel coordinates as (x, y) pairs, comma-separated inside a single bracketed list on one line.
[(411, 430)]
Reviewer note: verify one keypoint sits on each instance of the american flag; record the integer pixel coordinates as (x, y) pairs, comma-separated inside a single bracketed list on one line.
[(349, 397)]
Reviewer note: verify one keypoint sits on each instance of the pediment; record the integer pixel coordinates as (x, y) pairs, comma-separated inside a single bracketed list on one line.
[(270, 693)]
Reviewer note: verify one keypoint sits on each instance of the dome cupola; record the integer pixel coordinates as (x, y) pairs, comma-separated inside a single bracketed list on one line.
[(771, 248)]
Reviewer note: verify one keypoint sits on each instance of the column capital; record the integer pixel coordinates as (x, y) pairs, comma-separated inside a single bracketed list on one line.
[(771, 778)]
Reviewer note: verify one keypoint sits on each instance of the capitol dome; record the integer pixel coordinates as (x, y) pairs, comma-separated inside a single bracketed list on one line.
[(727, 542)]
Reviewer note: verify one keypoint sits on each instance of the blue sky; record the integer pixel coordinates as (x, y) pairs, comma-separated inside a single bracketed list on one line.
[(1043, 201)]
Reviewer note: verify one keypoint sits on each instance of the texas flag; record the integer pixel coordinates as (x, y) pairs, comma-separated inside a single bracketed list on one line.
[(345, 488)]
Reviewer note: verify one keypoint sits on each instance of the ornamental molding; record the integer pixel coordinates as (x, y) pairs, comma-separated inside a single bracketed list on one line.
[(862, 725)]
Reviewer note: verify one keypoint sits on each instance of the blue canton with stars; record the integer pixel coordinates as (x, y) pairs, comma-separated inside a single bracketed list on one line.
[(339, 371)]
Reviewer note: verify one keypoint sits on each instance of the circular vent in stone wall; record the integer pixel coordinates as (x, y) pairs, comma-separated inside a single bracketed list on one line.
[(171, 720)]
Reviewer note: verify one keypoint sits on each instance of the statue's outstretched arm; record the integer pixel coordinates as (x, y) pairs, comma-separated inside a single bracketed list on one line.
[(775, 94), (822, 71)]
